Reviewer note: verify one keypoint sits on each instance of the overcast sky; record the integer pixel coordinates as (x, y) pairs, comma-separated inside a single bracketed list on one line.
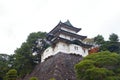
[(18, 18)]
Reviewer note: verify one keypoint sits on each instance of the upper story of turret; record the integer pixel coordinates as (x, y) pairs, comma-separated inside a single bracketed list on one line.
[(66, 31)]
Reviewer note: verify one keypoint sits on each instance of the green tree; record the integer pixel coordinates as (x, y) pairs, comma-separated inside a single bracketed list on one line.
[(23, 59), (4, 65), (12, 74), (113, 37), (99, 39), (113, 45), (99, 66)]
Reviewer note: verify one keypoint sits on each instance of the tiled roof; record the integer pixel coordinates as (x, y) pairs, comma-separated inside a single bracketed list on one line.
[(68, 23)]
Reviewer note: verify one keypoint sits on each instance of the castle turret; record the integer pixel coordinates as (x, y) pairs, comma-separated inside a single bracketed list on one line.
[(64, 38)]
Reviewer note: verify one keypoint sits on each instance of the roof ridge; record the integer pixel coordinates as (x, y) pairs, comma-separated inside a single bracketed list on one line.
[(68, 23)]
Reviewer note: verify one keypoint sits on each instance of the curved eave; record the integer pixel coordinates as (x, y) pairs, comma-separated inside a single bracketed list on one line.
[(60, 24), (76, 36), (82, 44), (57, 39), (56, 27), (73, 35), (77, 42), (71, 27)]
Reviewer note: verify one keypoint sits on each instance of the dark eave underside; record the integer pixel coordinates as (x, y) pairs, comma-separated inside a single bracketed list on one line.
[(77, 42), (80, 43)]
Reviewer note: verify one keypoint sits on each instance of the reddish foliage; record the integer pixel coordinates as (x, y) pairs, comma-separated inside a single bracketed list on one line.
[(94, 50)]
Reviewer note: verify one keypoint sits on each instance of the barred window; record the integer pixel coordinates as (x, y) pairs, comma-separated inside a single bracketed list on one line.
[(75, 47)]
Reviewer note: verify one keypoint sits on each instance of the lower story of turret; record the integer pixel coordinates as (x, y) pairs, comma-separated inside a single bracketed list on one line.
[(66, 48)]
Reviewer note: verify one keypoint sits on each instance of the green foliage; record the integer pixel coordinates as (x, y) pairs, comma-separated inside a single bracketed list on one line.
[(113, 37), (97, 73), (82, 67), (113, 45), (23, 59), (110, 46), (99, 66), (52, 79), (4, 64), (99, 39), (11, 74), (33, 78), (113, 78)]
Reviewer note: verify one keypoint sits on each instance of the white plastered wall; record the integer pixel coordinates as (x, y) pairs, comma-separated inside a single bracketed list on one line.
[(48, 52), (66, 48), (75, 49), (66, 37), (68, 30)]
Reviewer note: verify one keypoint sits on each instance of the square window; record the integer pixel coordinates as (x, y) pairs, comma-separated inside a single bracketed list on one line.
[(75, 47)]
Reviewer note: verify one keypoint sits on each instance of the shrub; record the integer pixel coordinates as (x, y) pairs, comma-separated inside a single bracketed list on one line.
[(99, 66), (52, 79), (33, 78), (11, 74)]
